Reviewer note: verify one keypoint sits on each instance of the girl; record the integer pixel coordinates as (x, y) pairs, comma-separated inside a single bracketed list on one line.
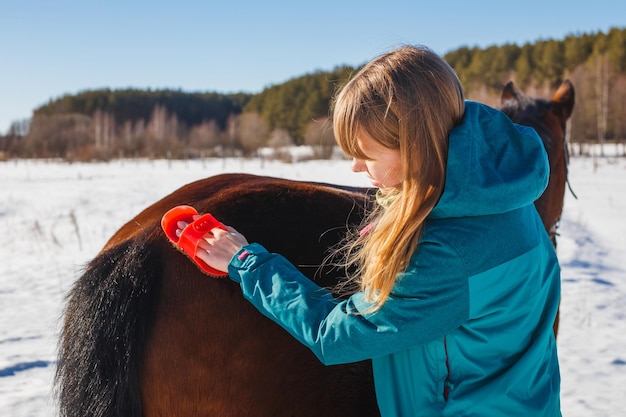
[(459, 283)]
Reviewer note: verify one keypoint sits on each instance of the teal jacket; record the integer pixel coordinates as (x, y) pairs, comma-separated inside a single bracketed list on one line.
[(467, 330)]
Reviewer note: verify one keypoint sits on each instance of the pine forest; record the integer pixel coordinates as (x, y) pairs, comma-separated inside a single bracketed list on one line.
[(105, 124)]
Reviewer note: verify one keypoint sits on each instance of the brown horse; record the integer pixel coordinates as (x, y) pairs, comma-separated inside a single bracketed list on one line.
[(147, 334), (548, 118)]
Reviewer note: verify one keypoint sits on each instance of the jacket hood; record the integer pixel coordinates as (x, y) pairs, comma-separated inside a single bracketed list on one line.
[(494, 165)]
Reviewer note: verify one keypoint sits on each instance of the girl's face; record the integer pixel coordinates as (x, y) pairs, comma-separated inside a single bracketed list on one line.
[(383, 166)]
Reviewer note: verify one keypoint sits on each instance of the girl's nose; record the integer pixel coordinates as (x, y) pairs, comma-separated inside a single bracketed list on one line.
[(358, 165)]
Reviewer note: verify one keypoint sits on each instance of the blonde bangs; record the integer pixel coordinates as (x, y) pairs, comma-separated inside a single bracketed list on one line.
[(347, 117), (365, 104)]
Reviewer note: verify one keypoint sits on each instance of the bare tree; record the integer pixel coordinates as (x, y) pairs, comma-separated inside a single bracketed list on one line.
[(59, 136), (602, 101), (252, 131), (103, 124), (157, 123), (319, 135), (19, 128), (280, 141), (205, 136)]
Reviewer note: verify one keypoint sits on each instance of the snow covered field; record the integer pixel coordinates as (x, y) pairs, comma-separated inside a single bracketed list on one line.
[(55, 217)]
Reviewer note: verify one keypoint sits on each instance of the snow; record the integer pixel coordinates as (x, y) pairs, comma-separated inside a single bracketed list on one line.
[(56, 217)]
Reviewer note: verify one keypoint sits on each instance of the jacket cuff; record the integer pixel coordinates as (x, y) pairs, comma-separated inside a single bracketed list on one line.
[(245, 259)]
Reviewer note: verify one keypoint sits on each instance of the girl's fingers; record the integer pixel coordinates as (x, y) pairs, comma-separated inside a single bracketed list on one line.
[(180, 225)]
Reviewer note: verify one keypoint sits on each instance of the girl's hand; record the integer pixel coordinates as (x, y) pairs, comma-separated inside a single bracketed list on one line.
[(218, 246)]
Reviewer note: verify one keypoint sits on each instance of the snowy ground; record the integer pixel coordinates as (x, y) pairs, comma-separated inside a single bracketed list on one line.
[(55, 217)]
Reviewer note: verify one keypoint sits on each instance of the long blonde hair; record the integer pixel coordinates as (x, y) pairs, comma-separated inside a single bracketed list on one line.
[(407, 99)]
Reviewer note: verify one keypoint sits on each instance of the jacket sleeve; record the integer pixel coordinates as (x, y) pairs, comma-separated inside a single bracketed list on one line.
[(424, 305)]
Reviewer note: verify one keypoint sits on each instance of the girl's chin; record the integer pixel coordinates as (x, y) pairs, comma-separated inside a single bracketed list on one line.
[(378, 185), (388, 190), (385, 189)]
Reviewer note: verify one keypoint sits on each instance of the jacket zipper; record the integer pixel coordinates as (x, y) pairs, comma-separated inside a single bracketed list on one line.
[(446, 384)]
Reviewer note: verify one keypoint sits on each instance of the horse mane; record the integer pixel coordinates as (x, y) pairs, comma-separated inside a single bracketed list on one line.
[(109, 320)]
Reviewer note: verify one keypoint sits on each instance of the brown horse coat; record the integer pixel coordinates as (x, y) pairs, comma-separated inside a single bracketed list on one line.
[(160, 338)]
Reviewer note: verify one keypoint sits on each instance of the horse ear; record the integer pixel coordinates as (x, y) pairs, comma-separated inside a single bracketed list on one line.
[(565, 97), (509, 92)]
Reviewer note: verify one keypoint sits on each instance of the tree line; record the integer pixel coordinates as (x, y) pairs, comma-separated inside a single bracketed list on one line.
[(105, 124)]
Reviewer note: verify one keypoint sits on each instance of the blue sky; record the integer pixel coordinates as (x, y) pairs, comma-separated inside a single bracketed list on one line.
[(52, 48)]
